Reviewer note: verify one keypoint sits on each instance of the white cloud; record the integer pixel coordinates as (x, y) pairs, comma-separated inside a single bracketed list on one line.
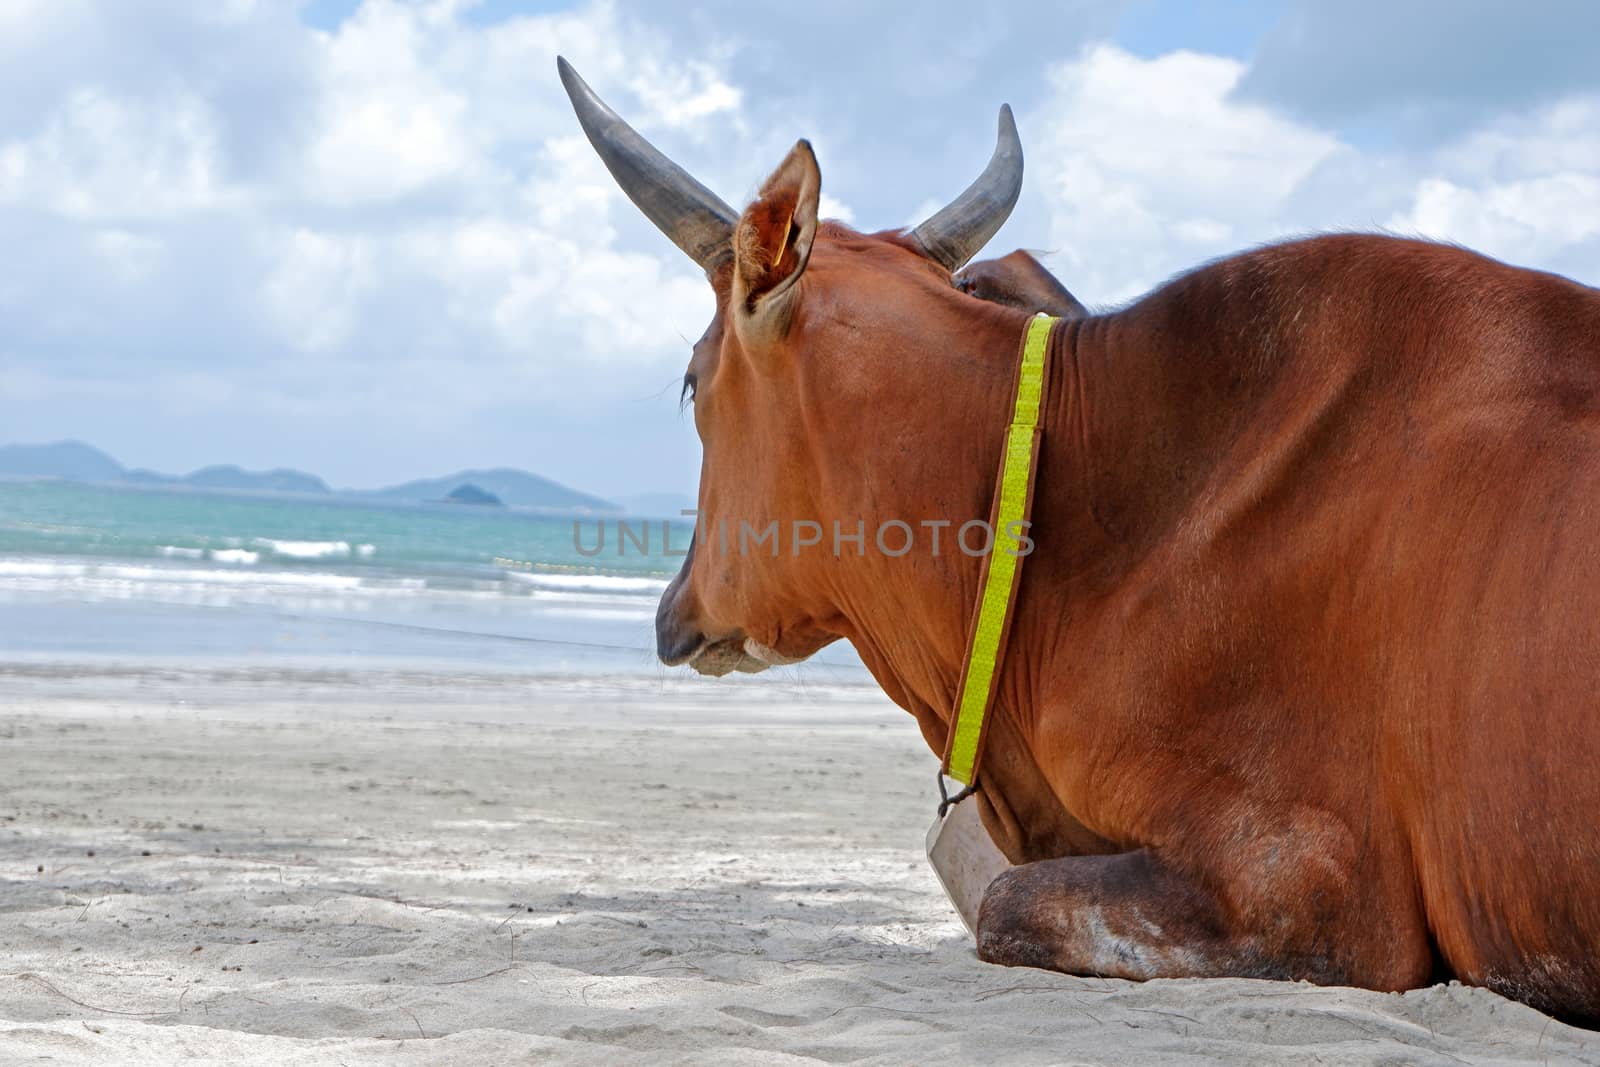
[(22, 21), (316, 282), (129, 257), (512, 241), (1555, 137), (1148, 167), (524, 261), (1526, 191), (830, 207), (681, 95), (1525, 221), (396, 226), (102, 158), (388, 123), (379, 144)]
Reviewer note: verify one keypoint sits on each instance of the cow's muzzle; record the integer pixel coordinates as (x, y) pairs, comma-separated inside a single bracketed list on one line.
[(679, 641)]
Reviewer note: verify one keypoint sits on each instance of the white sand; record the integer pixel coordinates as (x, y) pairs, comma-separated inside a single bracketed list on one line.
[(298, 868)]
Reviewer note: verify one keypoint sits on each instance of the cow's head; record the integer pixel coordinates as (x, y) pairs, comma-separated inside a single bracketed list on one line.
[(819, 334)]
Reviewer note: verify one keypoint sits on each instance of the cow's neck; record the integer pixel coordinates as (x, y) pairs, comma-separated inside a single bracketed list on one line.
[(1125, 443), (908, 617), (907, 614)]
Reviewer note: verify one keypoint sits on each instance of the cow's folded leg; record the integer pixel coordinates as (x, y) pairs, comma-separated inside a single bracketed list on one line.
[(1121, 916)]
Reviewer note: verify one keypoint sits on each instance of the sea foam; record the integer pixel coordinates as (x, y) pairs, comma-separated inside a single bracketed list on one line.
[(305, 549), (590, 583)]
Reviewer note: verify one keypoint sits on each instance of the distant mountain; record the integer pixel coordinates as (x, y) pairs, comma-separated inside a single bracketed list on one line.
[(278, 480), (471, 495), (514, 487), (72, 460), (141, 476)]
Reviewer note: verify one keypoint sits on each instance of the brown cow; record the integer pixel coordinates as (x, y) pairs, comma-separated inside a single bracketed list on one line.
[(1304, 680)]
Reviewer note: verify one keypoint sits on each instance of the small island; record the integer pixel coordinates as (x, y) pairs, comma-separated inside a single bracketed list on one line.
[(467, 493)]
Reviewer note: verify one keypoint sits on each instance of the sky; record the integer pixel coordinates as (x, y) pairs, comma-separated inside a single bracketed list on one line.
[(366, 238)]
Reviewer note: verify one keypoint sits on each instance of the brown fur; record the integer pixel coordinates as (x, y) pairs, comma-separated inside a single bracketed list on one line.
[(773, 239), (765, 242), (1304, 670)]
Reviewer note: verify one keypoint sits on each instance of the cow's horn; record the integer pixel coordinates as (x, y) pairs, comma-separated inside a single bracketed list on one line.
[(695, 219), (954, 234)]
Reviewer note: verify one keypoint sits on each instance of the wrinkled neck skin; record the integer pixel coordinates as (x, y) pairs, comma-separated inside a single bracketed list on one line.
[(933, 468), (1115, 436), (934, 458)]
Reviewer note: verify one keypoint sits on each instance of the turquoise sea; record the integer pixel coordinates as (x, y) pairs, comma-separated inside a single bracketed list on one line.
[(92, 573)]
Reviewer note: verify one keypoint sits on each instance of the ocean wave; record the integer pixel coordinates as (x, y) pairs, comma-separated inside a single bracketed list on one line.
[(241, 575), (590, 583), (78, 573), (176, 552), (305, 549), (26, 568)]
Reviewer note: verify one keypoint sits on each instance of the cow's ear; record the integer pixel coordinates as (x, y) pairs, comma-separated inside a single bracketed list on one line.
[(1020, 281), (773, 239)]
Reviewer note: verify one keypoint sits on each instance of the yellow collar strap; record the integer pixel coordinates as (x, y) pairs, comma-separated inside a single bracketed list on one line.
[(1002, 567)]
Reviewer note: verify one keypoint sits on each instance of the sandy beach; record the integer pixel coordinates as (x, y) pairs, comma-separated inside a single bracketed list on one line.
[(297, 866)]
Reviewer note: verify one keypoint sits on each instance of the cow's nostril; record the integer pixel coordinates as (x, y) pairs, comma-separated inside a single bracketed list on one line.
[(676, 642), (677, 646)]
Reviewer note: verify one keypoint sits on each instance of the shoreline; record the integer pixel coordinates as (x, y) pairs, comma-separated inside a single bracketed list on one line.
[(318, 866)]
